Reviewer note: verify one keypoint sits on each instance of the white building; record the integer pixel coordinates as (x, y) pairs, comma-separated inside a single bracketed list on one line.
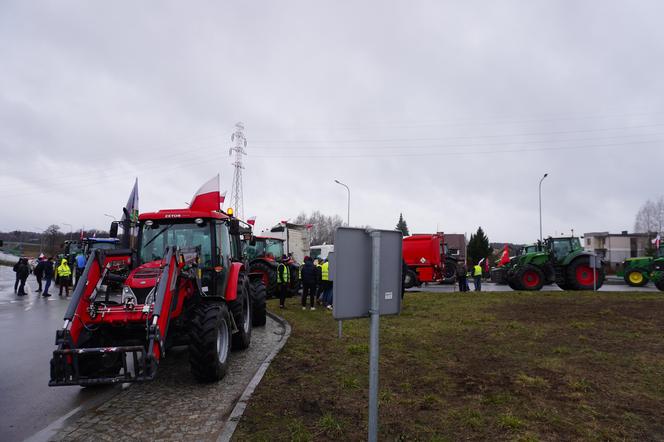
[(614, 248)]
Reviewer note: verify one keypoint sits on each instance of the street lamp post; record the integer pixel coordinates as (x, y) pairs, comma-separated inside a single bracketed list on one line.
[(110, 216), (540, 204), (348, 213), (347, 225)]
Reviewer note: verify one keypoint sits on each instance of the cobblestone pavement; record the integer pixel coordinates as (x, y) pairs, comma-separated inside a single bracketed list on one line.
[(175, 406)]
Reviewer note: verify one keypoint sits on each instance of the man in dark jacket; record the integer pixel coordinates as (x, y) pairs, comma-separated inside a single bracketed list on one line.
[(309, 279), (461, 272), (39, 272), (22, 272), (16, 271), (48, 275)]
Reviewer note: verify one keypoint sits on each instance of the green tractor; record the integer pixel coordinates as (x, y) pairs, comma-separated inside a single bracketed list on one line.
[(637, 271), (561, 260)]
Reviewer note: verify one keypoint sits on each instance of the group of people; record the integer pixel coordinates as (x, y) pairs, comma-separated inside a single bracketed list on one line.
[(44, 271), (463, 274), (316, 283)]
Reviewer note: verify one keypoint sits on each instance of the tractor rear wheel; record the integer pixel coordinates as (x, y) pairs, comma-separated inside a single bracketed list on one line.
[(580, 275), (269, 276), (242, 315), (258, 298), (635, 278), (660, 284), (209, 341), (410, 280), (530, 278), (449, 276)]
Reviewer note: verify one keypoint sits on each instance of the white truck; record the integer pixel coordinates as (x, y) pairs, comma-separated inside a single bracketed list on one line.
[(296, 239), (321, 251)]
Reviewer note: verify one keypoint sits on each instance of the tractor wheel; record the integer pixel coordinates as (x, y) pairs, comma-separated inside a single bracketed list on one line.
[(269, 276), (635, 278), (259, 316), (449, 276), (580, 275), (513, 283), (530, 278), (660, 284), (410, 279), (209, 341), (241, 309)]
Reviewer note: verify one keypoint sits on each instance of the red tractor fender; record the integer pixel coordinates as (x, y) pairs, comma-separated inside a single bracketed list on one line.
[(234, 276)]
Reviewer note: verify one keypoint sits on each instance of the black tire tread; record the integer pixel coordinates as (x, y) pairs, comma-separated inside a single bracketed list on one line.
[(258, 296), (202, 342), (522, 271), (271, 286), (240, 339)]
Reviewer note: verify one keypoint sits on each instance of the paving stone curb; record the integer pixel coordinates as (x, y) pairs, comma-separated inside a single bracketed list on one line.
[(235, 416)]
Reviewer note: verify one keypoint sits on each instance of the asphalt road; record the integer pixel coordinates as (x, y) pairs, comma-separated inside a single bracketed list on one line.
[(27, 327), (612, 285)]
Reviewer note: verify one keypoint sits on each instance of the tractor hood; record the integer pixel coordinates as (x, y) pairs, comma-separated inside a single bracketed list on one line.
[(144, 276)]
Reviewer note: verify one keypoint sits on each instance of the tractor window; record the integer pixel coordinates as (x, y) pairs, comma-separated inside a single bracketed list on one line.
[(157, 237), (561, 249), (264, 247), (224, 244)]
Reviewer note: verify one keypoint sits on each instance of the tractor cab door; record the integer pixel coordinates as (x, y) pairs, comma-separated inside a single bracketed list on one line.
[(561, 248), (223, 255)]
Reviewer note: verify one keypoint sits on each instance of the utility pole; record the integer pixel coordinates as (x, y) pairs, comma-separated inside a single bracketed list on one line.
[(236, 190), (540, 203)]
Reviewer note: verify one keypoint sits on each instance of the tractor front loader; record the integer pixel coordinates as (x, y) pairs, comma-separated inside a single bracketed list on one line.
[(185, 284)]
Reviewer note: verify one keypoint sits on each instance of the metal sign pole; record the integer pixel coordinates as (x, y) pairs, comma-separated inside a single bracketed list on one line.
[(373, 339)]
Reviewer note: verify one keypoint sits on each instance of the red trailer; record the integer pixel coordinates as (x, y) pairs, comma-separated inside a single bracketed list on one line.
[(426, 259)]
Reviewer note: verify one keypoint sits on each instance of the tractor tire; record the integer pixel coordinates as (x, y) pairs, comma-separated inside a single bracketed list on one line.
[(530, 278), (209, 341), (635, 278), (410, 280), (660, 284), (269, 277), (259, 315), (513, 283), (241, 309), (449, 276), (580, 275)]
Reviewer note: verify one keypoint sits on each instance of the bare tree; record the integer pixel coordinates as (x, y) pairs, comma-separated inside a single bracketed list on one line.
[(53, 238), (650, 217), (323, 226)]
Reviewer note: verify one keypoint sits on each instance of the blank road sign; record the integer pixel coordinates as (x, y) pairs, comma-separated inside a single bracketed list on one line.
[(352, 273)]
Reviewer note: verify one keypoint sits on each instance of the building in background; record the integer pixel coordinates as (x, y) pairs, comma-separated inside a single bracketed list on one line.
[(614, 248)]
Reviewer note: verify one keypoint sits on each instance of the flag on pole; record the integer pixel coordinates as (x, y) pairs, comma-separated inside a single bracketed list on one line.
[(207, 197), (656, 241), (505, 257), (222, 197), (251, 221)]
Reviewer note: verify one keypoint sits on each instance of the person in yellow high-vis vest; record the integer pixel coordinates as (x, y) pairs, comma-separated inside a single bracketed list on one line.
[(283, 279), (477, 277)]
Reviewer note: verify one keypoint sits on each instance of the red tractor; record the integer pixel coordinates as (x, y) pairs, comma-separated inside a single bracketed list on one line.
[(264, 255), (427, 261), (184, 284)]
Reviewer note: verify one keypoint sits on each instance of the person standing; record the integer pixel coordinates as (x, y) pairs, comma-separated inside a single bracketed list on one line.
[(16, 271), (283, 278), (48, 276), (461, 277), (308, 283), (22, 272), (327, 284), (477, 277), (39, 272), (64, 276), (80, 265)]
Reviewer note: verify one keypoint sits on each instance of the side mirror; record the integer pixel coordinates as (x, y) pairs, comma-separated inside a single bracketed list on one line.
[(113, 231)]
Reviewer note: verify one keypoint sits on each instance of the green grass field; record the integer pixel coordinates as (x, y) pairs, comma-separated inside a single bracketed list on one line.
[(489, 366)]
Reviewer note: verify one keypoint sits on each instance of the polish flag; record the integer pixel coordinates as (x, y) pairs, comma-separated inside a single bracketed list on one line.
[(656, 241), (207, 198), (251, 221), (222, 197)]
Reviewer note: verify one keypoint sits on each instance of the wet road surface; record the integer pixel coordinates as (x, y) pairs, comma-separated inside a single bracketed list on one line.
[(27, 328)]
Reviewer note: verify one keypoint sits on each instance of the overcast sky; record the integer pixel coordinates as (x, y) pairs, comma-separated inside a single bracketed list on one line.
[(447, 111)]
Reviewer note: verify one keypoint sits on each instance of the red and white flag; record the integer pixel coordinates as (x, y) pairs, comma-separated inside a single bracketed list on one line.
[(251, 221), (207, 198), (505, 257), (222, 197), (656, 241)]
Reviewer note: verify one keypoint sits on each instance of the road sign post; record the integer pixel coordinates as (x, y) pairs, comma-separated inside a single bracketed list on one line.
[(367, 282)]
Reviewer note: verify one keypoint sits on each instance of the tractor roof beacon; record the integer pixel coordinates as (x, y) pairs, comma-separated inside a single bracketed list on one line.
[(184, 284)]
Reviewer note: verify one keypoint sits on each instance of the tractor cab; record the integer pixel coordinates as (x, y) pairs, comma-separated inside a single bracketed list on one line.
[(263, 247), (563, 247)]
